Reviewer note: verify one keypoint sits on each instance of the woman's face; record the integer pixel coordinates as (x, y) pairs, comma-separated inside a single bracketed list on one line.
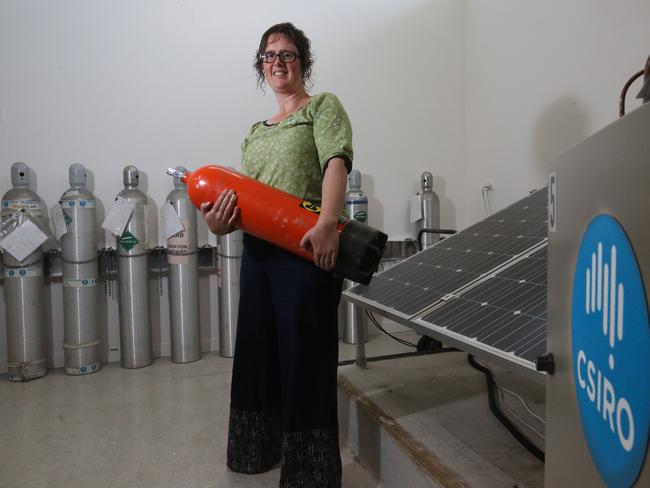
[(280, 76)]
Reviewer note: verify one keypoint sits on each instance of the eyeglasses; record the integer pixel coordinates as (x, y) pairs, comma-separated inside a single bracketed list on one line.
[(285, 56)]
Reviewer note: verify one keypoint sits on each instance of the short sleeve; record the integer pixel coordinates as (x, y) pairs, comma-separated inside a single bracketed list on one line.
[(244, 144), (332, 131)]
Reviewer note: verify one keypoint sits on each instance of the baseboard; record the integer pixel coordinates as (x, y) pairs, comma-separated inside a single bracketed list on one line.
[(210, 345), (160, 350), (164, 349), (57, 360)]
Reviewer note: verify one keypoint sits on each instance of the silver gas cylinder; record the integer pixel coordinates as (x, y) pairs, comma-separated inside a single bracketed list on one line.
[(356, 201), (182, 258), (24, 288), (135, 327), (430, 210), (79, 255), (354, 322), (230, 255)]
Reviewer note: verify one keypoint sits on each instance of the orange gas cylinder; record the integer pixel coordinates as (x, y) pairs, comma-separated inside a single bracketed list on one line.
[(283, 219)]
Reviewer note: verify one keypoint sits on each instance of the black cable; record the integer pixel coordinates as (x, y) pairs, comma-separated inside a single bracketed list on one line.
[(376, 324), (431, 231), (491, 387)]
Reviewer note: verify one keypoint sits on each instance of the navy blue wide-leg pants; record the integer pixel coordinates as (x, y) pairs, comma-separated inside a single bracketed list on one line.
[(283, 397)]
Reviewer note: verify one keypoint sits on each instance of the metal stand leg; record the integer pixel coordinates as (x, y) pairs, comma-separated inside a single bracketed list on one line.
[(361, 336)]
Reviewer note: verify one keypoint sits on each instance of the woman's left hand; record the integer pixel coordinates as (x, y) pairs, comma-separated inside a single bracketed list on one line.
[(323, 241)]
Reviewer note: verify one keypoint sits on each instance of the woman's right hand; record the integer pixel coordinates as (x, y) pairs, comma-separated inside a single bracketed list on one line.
[(222, 214)]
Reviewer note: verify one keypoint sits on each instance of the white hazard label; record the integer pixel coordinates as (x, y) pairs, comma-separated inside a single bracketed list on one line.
[(415, 208), (172, 225), (118, 216), (24, 240), (58, 221)]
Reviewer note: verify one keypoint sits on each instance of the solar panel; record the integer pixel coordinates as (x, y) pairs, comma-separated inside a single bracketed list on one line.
[(506, 311), (485, 286), (419, 281)]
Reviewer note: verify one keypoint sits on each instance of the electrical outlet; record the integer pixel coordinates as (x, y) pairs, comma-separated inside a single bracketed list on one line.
[(489, 184)]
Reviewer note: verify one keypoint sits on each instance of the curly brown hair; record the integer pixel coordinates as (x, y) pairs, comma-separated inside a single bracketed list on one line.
[(298, 37)]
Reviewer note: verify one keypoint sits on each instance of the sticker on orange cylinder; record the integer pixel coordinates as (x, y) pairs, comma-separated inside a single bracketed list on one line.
[(311, 206)]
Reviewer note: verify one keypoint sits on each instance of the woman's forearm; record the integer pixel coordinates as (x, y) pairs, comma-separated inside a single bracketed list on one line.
[(333, 191)]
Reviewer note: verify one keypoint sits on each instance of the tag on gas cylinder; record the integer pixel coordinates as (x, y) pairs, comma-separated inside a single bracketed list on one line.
[(58, 221), (415, 208), (118, 216), (171, 224), (24, 240)]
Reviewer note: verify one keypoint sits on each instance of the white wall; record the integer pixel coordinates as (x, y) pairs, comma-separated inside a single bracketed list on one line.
[(162, 83), (158, 84), (542, 76)]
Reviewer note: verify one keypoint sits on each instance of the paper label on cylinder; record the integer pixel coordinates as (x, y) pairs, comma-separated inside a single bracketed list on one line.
[(59, 221), (118, 216), (172, 225), (33, 206), (23, 273), (24, 240), (83, 204), (82, 283), (415, 208), (178, 245)]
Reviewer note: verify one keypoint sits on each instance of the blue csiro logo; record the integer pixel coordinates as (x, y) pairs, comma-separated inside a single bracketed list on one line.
[(611, 352)]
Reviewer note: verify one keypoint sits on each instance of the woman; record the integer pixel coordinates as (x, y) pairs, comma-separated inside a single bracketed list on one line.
[(283, 397)]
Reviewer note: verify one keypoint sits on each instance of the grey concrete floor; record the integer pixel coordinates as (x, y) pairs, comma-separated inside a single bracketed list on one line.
[(165, 425), (160, 426)]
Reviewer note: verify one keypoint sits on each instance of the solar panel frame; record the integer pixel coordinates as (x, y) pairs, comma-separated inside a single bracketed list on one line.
[(471, 346)]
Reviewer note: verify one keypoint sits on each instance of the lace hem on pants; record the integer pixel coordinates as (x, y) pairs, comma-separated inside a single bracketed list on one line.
[(253, 441), (311, 459)]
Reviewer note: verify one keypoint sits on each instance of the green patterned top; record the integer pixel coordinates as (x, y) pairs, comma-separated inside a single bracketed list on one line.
[(291, 155)]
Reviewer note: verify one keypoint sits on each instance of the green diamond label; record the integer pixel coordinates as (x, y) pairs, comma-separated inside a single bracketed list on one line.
[(361, 216), (67, 219), (128, 240)]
